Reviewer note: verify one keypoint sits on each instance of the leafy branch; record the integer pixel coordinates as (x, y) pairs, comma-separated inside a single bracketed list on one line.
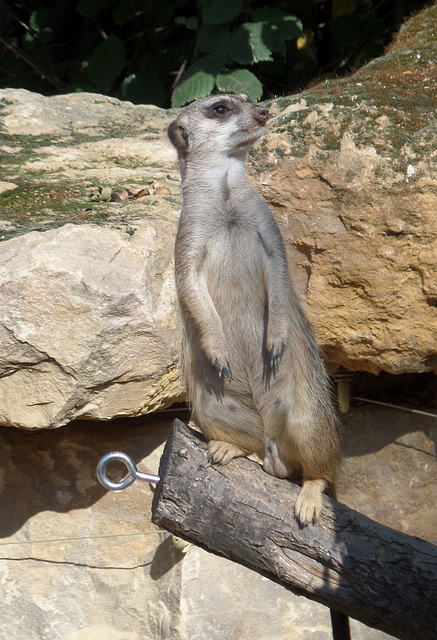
[(170, 53)]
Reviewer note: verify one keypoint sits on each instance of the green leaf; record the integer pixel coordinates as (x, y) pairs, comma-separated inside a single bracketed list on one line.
[(124, 11), (240, 81), (248, 44), (286, 24), (257, 40), (143, 87), (198, 81), (254, 42), (28, 40), (239, 47), (107, 62), (164, 11), (220, 11), (90, 8), (212, 38), (216, 41), (191, 23), (45, 35), (279, 26), (39, 18)]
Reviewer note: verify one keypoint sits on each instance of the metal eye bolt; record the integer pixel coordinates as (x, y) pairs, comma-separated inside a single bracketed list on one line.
[(133, 473)]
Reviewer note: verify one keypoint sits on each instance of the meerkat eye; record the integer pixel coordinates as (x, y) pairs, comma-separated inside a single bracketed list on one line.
[(221, 109)]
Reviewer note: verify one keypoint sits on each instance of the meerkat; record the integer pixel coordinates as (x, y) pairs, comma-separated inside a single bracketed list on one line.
[(253, 369)]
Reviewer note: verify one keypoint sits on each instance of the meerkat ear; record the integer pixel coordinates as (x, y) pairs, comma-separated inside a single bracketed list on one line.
[(178, 136)]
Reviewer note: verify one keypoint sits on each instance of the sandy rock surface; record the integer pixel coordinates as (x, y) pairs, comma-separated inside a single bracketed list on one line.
[(78, 563), (88, 326)]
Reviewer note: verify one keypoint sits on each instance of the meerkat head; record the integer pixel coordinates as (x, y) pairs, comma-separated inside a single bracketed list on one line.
[(222, 125)]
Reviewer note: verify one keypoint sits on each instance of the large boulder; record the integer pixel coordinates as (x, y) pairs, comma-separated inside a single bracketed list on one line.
[(88, 326), (88, 323), (87, 308)]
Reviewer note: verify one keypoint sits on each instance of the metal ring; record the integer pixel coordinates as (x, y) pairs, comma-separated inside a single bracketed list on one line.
[(133, 473), (103, 478)]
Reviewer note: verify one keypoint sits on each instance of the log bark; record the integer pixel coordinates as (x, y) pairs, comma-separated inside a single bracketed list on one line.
[(349, 563)]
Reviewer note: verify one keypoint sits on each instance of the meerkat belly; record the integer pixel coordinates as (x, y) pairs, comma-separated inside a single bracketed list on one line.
[(235, 278), (227, 409)]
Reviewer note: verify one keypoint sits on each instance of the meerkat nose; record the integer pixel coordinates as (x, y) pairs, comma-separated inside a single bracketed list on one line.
[(262, 115)]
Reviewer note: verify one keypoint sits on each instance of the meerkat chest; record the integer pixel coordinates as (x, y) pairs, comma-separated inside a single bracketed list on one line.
[(234, 260)]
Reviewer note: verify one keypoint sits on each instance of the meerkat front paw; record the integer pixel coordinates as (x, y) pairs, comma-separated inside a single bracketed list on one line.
[(309, 503), (223, 368), (275, 348), (218, 357), (222, 452)]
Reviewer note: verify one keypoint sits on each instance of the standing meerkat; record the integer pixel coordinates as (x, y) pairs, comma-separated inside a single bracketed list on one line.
[(252, 366)]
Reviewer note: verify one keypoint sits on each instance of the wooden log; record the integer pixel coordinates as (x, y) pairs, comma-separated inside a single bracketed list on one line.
[(349, 563)]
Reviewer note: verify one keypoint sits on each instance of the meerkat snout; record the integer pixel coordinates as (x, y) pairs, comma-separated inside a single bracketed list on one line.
[(262, 115)]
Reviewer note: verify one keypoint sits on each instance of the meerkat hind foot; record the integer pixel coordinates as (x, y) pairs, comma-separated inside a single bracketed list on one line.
[(309, 503), (220, 452), (272, 462)]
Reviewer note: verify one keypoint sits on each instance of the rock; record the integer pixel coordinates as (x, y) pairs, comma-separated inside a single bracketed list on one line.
[(348, 168), (351, 171), (87, 308), (7, 186), (79, 563), (96, 566), (88, 327)]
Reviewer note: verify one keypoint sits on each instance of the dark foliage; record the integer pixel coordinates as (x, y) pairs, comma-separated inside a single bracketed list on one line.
[(170, 52)]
